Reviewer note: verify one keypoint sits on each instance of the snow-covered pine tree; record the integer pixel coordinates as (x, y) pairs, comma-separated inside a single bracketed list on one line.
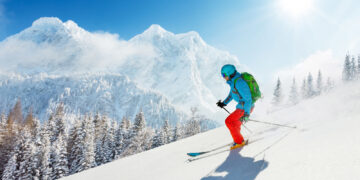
[(44, 154), (75, 146), (158, 139), (56, 123), (9, 135), (178, 132), (88, 144), (2, 123), (347, 69), (167, 132), (102, 142), (310, 88), (81, 145), (192, 126), (304, 89), (60, 163), (111, 139), (294, 96), (277, 95), (358, 67), (10, 172), (319, 83), (136, 136), (353, 69), (23, 151), (33, 125), (121, 136)]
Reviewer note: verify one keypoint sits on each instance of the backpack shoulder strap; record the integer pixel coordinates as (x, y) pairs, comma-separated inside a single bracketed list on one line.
[(235, 84)]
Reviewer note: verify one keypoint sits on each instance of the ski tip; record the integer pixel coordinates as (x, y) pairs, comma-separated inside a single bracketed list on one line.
[(194, 154)]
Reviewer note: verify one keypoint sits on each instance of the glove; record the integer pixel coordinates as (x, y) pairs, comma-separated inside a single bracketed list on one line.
[(220, 104), (244, 118)]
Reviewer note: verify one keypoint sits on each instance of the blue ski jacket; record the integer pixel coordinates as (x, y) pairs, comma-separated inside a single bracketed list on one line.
[(242, 95)]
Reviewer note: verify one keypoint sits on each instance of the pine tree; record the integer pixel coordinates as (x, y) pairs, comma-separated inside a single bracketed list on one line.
[(8, 137), (192, 126), (347, 69), (293, 98), (44, 155), (310, 88), (353, 69), (177, 132), (119, 140), (304, 89), (136, 140), (20, 164), (75, 147), (121, 137), (10, 172), (167, 132), (60, 164), (57, 124), (158, 139), (358, 67), (16, 114), (88, 144), (102, 142), (111, 141), (277, 99), (319, 83)]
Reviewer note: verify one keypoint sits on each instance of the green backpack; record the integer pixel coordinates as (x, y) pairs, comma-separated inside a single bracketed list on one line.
[(253, 85)]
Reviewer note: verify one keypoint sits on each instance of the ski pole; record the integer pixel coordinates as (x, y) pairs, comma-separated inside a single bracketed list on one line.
[(241, 123), (275, 124)]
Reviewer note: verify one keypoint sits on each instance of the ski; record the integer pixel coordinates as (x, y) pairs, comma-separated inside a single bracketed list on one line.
[(195, 154), (194, 158)]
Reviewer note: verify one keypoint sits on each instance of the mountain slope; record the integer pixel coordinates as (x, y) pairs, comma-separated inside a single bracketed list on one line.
[(111, 94), (325, 146), (183, 67)]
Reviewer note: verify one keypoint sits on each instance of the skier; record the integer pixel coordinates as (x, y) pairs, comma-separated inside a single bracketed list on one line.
[(240, 92)]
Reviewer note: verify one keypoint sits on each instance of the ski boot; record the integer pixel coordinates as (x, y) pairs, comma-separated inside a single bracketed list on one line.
[(235, 145)]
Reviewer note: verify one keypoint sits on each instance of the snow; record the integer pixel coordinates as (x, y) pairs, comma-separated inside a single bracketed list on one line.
[(325, 145)]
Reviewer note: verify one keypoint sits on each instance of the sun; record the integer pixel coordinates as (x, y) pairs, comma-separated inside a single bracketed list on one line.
[(296, 8)]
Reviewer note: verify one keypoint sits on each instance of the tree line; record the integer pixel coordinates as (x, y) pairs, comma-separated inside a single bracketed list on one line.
[(311, 88), (57, 148)]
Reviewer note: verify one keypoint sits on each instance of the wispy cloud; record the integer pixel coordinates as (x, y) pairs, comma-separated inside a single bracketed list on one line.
[(84, 51)]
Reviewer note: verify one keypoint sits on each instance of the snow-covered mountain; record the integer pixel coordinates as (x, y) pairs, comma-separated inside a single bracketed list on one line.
[(111, 94), (325, 145), (180, 66)]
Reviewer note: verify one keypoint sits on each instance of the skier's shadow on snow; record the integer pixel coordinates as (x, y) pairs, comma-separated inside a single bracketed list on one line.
[(237, 167)]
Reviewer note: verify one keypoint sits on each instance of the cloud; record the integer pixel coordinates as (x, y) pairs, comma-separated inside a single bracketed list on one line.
[(324, 61), (82, 52)]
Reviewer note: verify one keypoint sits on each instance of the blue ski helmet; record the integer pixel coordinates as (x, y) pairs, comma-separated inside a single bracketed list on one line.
[(228, 70)]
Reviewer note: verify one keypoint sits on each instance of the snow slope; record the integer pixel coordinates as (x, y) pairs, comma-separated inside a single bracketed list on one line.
[(326, 146)]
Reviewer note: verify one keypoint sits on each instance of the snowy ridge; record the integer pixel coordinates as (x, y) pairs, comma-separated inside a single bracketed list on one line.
[(325, 146), (111, 94)]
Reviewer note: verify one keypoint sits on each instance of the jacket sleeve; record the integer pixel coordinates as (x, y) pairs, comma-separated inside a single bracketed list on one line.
[(245, 95), (228, 99)]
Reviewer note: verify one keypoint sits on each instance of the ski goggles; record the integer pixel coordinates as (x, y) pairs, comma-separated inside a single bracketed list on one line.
[(223, 75)]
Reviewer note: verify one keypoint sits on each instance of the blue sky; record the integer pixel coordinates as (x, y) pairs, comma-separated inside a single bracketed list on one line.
[(263, 34)]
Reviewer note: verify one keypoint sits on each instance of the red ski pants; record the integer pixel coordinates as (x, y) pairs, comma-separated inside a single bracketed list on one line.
[(234, 125)]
